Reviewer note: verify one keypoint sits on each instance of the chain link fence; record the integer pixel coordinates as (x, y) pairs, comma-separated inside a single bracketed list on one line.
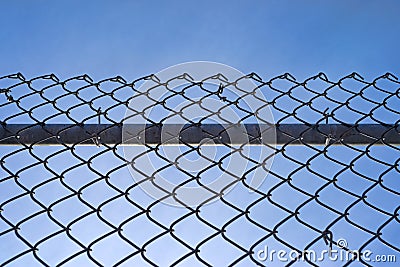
[(68, 198)]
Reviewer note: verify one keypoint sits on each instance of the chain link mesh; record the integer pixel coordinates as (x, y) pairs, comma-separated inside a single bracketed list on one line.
[(74, 204)]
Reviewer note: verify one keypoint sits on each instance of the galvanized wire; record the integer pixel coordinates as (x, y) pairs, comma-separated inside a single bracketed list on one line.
[(48, 191)]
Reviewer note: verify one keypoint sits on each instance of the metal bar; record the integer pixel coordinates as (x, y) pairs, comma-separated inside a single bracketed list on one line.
[(292, 134)]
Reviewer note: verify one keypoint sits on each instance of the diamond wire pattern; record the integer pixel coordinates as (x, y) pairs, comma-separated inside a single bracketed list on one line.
[(83, 200)]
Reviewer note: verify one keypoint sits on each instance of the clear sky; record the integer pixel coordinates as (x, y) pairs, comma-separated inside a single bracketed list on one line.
[(136, 38)]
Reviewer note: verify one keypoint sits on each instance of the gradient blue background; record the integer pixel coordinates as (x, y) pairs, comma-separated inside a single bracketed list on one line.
[(136, 38)]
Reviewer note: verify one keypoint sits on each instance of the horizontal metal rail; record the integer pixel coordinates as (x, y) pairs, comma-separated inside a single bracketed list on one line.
[(174, 134)]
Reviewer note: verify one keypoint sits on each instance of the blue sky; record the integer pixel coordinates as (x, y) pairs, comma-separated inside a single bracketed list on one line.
[(136, 38)]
